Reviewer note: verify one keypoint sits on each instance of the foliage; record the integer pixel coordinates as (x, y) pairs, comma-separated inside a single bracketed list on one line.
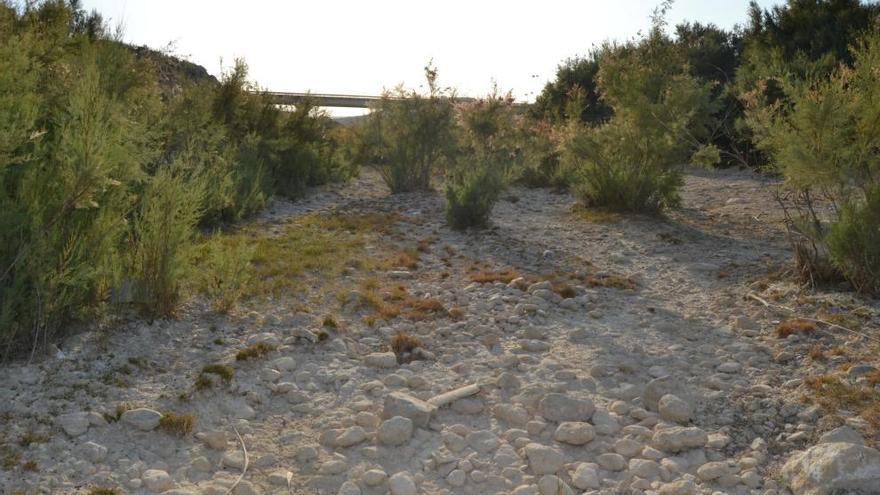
[(225, 270), (488, 151), (411, 134), (162, 234), (574, 94), (632, 163), (540, 164), (822, 139), (101, 167)]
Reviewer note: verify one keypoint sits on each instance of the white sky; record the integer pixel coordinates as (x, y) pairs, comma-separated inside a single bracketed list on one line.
[(363, 46)]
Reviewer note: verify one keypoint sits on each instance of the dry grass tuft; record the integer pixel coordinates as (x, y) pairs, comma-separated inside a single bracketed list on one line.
[(329, 321), (795, 325), (223, 371), (831, 393), (611, 280), (255, 351), (596, 215), (564, 290), (30, 465), (403, 345), (408, 258), (491, 276), (817, 353), (31, 437), (103, 490), (180, 425), (456, 313)]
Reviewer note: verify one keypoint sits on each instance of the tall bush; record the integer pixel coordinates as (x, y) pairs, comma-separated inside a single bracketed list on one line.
[(163, 228), (489, 150), (633, 162), (823, 140), (411, 134)]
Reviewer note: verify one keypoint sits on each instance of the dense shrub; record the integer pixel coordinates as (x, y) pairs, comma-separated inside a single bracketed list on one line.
[(410, 134), (163, 229), (573, 94), (540, 164), (101, 166), (823, 139), (633, 162), (489, 148)]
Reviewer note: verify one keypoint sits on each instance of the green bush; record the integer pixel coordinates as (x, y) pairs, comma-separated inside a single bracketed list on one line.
[(488, 151), (101, 162), (854, 243), (633, 162), (224, 270), (163, 229), (823, 140), (410, 134)]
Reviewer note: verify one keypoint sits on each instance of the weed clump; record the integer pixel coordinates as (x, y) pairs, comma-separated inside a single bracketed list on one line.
[(223, 371), (180, 425), (254, 351), (611, 280), (404, 346), (795, 326), (491, 276)]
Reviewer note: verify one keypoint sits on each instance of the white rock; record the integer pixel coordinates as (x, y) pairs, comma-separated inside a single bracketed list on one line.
[(559, 408), (543, 459), (844, 434), (679, 487), (552, 485), (286, 363), (347, 437), (349, 488), (215, 439), (93, 452), (402, 483), (395, 431), (672, 408), (585, 476), (679, 438), (141, 418), (712, 470), (628, 447), (456, 478), (644, 468), (381, 360), (374, 477), (612, 462), (833, 467), (574, 433), (401, 404), (74, 424), (157, 480), (482, 441)]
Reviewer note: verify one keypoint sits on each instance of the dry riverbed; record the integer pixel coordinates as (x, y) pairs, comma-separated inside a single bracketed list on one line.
[(558, 352)]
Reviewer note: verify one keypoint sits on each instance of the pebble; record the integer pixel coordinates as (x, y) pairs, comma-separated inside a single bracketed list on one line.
[(395, 431), (544, 459), (142, 418), (402, 483)]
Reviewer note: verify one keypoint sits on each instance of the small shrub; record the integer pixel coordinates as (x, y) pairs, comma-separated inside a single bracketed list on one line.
[(227, 373), (408, 259), (564, 290), (330, 321), (403, 345), (31, 437), (633, 162), (255, 351), (488, 151), (410, 134), (180, 425), (203, 382), (225, 270), (854, 243), (30, 465), (795, 326)]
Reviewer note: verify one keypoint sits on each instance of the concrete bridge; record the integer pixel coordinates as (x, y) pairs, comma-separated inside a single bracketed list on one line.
[(339, 101)]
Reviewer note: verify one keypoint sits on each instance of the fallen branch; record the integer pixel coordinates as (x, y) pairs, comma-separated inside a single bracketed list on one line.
[(245, 467), (814, 320)]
